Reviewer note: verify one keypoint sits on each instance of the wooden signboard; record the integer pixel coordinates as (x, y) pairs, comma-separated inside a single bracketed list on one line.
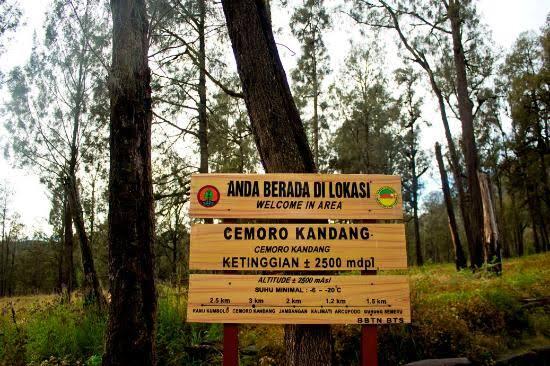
[(279, 247), (300, 299), (296, 196)]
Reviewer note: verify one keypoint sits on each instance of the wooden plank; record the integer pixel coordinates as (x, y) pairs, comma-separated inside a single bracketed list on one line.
[(276, 247), (295, 196), (314, 299)]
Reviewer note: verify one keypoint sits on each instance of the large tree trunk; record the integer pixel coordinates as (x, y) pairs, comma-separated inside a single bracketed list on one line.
[(279, 135), (130, 338), (465, 108), (276, 123), (460, 258)]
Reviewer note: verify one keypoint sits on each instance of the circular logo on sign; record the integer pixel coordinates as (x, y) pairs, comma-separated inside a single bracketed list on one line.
[(386, 197), (208, 196)]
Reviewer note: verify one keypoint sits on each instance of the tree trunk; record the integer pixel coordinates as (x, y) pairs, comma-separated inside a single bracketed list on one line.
[(4, 243), (5, 265), (90, 286), (492, 247), (315, 107), (275, 121), (521, 244), (175, 240), (11, 283), (203, 119), (517, 225), (67, 258), (456, 170), (418, 244), (279, 135), (505, 243), (131, 329), (465, 107), (419, 58), (92, 214), (460, 258)]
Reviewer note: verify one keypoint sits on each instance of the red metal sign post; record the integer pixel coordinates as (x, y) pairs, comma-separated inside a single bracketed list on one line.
[(369, 346), (230, 345)]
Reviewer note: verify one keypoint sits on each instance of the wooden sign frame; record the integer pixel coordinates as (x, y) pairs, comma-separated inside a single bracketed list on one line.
[(295, 196)]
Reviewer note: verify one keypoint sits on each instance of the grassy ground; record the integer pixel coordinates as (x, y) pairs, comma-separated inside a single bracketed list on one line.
[(480, 316)]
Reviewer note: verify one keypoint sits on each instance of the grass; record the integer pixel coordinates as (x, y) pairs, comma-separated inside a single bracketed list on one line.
[(480, 316)]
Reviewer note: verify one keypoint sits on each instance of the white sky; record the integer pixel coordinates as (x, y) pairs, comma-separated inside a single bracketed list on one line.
[(506, 18)]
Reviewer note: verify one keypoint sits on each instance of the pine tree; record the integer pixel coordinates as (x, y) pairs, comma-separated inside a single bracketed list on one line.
[(308, 24)]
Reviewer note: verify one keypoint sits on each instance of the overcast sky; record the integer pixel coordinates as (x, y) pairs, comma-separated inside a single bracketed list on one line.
[(506, 18)]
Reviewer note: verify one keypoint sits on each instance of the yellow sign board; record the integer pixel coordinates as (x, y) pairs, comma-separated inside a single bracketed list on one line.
[(296, 247), (303, 299), (296, 196)]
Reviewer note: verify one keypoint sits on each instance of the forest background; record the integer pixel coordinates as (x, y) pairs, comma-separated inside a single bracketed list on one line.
[(418, 89)]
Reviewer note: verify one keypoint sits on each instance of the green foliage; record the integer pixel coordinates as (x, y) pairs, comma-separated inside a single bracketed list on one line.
[(64, 331), (230, 142), (51, 333), (10, 18), (524, 82), (308, 24), (181, 343), (434, 229), (368, 139), (12, 343), (462, 314)]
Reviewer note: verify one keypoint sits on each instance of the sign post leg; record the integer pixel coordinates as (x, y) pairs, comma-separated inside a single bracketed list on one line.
[(230, 345), (369, 347), (369, 342)]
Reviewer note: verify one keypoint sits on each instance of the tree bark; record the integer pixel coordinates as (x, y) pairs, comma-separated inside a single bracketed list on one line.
[(465, 108), (131, 329), (460, 258), (279, 135), (276, 123)]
